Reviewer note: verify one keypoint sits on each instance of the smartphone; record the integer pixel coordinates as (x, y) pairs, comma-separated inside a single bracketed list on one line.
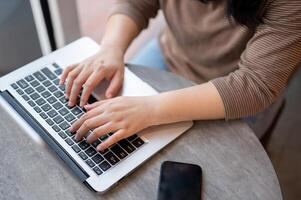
[(179, 181)]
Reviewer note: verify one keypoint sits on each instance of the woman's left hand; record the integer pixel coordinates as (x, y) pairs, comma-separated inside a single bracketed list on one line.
[(124, 116)]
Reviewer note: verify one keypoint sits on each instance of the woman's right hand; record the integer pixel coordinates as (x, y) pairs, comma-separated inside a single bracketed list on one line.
[(107, 63)]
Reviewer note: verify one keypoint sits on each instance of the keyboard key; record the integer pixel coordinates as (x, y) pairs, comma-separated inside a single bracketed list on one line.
[(69, 141), (83, 145), (76, 111), (43, 115), (68, 133), (37, 109), (64, 111), (62, 135), (90, 152), (63, 100), (79, 115), (120, 153), (34, 83), (52, 88), (76, 148), (51, 100), (58, 71), (138, 142), (58, 119), (62, 88), (29, 90), (56, 65), (14, 86), (58, 94), (22, 84), (64, 125), (104, 165), (46, 107), (29, 78), (90, 163), (46, 94), (31, 103), (56, 81), (40, 88), (40, 101), (52, 113), (25, 97), (34, 96), (39, 76), (83, 155), (20, 92), (91, 99), (57, 105), (104, 137), (132, 137), (47, 83), (96, 143), (48, 73), (128, 147), (97, 158), (111, 158), (97, 170), (56, 128), (69, 117), (49, 121)]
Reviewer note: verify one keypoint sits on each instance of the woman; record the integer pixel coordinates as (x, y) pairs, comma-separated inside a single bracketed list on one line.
[(241, 52)]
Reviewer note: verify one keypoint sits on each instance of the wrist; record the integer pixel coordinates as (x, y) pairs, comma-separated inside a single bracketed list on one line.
[(113, 44), (154, 115)]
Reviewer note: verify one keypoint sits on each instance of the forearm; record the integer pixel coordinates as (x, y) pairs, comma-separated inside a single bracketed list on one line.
[(120, 32), (201, 102)]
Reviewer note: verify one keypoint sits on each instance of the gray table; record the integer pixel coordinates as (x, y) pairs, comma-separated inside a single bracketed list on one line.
[(235, 166)]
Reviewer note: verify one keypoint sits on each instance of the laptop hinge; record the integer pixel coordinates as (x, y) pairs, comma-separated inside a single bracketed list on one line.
[(45, 136)]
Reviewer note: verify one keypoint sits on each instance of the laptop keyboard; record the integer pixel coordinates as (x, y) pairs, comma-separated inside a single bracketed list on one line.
[(41, 90)]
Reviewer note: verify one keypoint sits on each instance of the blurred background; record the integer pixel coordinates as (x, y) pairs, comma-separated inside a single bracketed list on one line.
[(32, 28)]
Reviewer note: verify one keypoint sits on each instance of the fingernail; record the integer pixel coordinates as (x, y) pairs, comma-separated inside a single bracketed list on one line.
[(99, 148), (87, 106), (76, 137)]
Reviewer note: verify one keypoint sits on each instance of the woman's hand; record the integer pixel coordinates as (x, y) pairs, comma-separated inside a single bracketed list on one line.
[(124, 116), (107, 63)]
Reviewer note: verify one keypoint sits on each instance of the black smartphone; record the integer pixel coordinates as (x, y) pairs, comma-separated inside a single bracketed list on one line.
[(180, 181)]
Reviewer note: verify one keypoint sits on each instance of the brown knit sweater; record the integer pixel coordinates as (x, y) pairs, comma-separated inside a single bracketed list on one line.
[(249, 68)]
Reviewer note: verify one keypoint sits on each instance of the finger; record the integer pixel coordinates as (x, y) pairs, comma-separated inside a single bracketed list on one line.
[(76, 125), (88, 125), (100, 131), (71, 76), (66, 72), (95, 78), (117, 136), (77, 86), (115, 85), (89, 107)]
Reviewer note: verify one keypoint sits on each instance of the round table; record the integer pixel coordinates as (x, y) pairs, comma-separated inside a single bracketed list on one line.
[(235, 165)]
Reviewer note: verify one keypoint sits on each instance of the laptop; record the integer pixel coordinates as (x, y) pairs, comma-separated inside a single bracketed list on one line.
[(33, 97)]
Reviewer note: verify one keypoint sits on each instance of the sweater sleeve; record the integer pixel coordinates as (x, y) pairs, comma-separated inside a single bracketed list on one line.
[(139, 10), (269, 60)]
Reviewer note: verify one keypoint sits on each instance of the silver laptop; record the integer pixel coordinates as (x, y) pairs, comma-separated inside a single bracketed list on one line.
[(34, 98)]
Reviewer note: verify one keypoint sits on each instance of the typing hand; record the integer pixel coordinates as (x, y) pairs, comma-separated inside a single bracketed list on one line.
[(106, 64), (124, 116)]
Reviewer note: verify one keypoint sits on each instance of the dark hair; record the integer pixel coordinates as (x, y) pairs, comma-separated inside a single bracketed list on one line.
[(244, 12)]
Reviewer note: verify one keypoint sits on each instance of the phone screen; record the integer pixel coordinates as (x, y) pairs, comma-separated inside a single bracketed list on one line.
[(179, 181)]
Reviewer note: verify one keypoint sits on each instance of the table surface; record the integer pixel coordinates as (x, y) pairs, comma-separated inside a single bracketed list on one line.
[(235, 165)]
